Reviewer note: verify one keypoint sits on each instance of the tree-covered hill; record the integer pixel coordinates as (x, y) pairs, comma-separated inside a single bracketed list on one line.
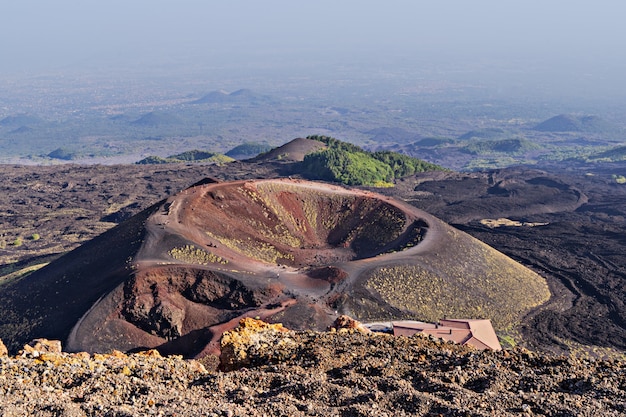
[(351, 165), (188, 156)]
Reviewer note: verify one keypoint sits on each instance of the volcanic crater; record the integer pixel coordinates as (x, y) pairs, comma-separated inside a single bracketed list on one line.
[(298, 225), (282, 250)]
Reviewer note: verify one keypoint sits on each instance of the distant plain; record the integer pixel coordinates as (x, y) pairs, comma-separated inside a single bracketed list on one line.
[(463, 121)]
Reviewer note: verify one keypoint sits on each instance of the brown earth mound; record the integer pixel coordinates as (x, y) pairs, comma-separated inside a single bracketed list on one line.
[(293, 151), (179, 274)]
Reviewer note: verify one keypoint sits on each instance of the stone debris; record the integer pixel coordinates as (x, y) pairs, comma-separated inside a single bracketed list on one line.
[(287, 373), (344, 322), (253, 339), (3, 349), (38, 346)]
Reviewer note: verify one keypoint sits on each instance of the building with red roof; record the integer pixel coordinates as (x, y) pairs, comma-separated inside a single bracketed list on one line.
[(478, 333)]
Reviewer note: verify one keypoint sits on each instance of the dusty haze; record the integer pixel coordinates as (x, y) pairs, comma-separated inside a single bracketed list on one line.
[(558, 47)]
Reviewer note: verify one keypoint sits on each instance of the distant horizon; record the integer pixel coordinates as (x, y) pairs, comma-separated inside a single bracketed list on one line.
[(564, 47)]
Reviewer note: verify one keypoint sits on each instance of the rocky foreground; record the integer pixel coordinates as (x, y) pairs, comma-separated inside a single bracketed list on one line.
[(267, 370)]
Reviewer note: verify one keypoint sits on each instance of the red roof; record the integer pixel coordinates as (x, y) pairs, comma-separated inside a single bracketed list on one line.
[(474, 332)]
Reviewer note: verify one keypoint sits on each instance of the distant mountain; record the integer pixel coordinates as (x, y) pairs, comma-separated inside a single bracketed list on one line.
[(220, 96), (20, 120), (22, 129), (513, 146), (62, 154), (120, 118), (573, 123), (243, 95), (416, 147), (188, 156), (157, 118), (248, 150), (392, 134), (488, 133)]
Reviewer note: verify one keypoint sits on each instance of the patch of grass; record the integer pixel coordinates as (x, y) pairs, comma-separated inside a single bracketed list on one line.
[(494, 223), (259, 250), (620, 179), (383, 184), (21, 273), (195, 156), (580, 351), (192, 255), (507, 342), (479, 283)]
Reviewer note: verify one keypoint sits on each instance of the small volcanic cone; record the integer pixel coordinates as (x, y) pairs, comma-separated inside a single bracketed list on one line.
[(178, 275)]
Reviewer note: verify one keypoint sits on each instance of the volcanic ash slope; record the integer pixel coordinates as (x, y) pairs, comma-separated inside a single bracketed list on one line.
[(179, 274)]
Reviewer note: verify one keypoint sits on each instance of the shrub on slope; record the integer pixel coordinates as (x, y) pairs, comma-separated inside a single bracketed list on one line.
[(404, 165)]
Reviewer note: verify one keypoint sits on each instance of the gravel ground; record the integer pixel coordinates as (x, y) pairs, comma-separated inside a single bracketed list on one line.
[(344, 373)]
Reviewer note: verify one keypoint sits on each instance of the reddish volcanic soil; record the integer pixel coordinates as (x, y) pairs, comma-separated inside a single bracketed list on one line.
[(219, 252), (180, 273)]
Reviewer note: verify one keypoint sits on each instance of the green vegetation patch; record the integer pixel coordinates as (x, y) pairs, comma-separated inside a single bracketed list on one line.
[(21, 273), (616, 154), (512, 146), (254, 249), (620, 179), (346, 167), (188, 156), (404, 165), (192, 255), (249, 149), (349, 164)]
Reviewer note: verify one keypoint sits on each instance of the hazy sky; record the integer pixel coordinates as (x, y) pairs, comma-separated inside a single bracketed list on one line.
[(587, 37)]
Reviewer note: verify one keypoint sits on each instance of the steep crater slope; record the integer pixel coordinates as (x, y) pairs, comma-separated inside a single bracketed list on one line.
[(179, 274)]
